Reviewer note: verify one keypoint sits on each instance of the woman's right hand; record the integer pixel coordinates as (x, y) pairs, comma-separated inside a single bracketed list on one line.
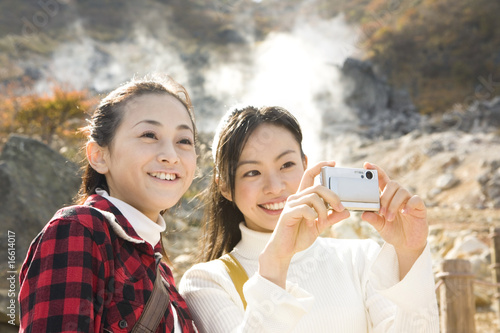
[(303, 219)]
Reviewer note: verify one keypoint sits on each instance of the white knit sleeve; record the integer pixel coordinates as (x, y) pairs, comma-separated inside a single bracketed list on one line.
[(216, 306), (408, 305), (272, 309)]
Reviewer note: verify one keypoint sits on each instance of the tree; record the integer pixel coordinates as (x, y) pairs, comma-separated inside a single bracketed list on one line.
[(53, 118)]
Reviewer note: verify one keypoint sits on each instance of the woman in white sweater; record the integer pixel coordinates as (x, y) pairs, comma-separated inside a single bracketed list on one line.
[(264, 209)]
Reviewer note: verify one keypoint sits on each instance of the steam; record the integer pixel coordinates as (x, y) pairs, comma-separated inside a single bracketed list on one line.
[(297, 70), (101, 67), (300, 71)]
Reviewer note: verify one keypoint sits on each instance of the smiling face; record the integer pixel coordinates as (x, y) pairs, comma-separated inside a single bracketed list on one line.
[(151, 161), (269, 170)]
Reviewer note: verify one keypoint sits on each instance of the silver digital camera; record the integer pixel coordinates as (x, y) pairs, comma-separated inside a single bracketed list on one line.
[(356, 188)]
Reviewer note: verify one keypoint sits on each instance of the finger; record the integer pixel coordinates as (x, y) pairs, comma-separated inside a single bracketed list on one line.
[(385, 198), (416, 207), (374, 219), (302, 212), (398, 203), (383, 178), (314, 201), (335, 217), (332, 218), (328, 196), (310, 174)]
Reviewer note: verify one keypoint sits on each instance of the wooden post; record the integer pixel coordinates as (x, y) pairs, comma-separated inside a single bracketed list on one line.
[(457, 304), (495, 267)]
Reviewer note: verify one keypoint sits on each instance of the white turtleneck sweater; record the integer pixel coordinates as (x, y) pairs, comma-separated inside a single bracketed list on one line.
[(333, 286)]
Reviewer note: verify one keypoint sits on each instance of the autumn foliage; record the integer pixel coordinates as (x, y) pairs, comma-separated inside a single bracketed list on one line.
[(53, 118), (444, 52)]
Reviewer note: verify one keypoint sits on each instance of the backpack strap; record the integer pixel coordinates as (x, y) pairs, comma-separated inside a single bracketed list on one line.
[(237, 274)]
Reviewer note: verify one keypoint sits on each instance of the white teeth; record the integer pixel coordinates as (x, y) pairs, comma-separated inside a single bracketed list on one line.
[(274, 206), (164, 175)]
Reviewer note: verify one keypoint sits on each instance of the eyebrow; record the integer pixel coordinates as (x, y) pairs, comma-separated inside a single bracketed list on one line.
[(157, 123), (286, 152)]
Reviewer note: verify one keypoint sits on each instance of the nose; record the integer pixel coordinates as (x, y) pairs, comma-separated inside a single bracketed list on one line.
[(274, 184), (168, 154)]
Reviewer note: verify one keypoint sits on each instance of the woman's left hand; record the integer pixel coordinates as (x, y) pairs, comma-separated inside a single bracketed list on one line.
[(401, 220)]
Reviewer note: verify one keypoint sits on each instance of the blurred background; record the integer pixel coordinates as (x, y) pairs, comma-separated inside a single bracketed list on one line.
[(412, 85)]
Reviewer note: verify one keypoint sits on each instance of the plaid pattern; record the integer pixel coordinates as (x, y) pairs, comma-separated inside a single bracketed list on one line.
[(80, 276)]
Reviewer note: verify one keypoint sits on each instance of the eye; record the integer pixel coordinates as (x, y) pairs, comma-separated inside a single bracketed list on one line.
[(186, 142), (252, 173), (288, 165), (149, 135)]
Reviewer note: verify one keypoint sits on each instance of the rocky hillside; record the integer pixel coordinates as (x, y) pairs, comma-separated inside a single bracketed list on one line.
[(115, 39)]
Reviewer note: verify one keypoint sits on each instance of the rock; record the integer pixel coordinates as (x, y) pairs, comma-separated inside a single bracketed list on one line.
[(434, 148), (495, 203), (452, 163), (368, 93), (434, 192), (35, 181), (380, 110), (466, 247), (493, 186), (482, 116), (490, 185), (440, 242), (447, 181), (495, 164), (483, 179)]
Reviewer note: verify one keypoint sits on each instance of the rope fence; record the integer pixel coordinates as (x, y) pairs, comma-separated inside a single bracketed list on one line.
[(456, 290)]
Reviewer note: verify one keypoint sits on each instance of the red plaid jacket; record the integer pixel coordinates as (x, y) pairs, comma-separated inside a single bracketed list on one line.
[(82, 274)]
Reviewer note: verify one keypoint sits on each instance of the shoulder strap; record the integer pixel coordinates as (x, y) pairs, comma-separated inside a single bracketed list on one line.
[(155, 307), (237, 274)]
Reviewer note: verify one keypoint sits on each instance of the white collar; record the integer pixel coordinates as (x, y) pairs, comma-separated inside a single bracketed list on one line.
[(252, 242), (143, 226)]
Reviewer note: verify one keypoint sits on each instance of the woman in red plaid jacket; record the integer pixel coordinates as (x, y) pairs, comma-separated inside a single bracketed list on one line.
[(93, 266)]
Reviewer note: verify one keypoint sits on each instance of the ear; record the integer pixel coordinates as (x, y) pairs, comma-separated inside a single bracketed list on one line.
[(223, 189), (304, 162), (96, 157)]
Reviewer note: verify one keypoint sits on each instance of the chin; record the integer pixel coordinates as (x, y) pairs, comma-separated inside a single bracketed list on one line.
[(167, 204)]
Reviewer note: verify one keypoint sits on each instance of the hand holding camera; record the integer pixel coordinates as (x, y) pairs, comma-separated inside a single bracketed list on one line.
[(398, 216)]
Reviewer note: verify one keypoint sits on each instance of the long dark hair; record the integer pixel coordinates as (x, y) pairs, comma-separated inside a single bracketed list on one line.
[(221, 231), (108, 116)]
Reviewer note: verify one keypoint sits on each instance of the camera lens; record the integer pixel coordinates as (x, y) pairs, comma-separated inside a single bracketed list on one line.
[(369, 175)]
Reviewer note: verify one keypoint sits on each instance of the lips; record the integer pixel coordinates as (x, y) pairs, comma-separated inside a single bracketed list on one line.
[(274, 206), (164, 175)]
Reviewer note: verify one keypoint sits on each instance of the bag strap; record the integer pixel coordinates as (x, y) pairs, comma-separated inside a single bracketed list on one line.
[(237, 274), (155, 307)]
